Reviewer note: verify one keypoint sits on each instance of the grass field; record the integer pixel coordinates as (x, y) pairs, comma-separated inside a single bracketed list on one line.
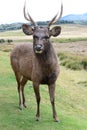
[(71, 100), (68, 31)]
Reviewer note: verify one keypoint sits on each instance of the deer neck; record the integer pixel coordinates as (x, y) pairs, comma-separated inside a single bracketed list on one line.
[(47, 57)]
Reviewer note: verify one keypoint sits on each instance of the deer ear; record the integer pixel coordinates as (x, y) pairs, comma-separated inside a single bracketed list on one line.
[(27, 29), (55, 31)]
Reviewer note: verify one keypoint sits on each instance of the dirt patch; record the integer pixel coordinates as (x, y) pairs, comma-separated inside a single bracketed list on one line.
[(74, 47), (79, 48)]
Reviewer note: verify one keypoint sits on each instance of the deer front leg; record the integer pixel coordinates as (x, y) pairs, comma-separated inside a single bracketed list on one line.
[(37, 94), (20, 97), (52, 99)]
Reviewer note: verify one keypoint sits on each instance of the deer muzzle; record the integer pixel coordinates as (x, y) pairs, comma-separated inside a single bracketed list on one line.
[(38, 48)]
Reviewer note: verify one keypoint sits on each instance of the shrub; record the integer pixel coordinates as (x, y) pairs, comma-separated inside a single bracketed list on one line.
[(74, 65), (62, 56), (9, 40), (73, 61), (84, 63), (2, 40)]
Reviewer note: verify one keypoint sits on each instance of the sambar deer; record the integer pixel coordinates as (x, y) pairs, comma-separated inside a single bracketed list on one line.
[(37, 62)]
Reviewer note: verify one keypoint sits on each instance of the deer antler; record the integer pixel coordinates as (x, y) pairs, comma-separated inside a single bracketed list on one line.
[(27, 16), (54, 18)]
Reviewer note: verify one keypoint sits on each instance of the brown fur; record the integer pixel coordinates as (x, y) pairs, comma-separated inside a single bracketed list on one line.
[(40, 68)]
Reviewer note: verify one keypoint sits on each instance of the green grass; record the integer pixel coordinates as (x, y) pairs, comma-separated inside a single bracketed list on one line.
[(68, 40), (11, 33), (69, 34), (71, 101), (73, 61)]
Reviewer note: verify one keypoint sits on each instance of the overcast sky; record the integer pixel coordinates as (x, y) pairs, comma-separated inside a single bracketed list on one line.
[(12, 10)]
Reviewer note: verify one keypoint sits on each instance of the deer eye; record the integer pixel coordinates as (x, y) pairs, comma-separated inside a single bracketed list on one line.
[(46, 38), (35, 37)]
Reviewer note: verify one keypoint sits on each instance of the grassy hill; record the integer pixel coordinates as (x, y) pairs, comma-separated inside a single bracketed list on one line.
[(71, 93), (71, 101)]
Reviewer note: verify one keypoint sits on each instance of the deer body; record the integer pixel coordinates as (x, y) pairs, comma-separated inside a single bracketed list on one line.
[(29, 65), (36, 62)]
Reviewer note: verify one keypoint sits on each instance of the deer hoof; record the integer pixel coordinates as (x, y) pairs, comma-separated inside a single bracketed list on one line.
[(25, 105), (21, 107), (56, 119), (37, 118)]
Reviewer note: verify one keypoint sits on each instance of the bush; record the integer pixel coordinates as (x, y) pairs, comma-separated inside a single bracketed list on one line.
[(9, 40), (73, 61), (84, 64), (74, 65), (62, 56), (2, 40)]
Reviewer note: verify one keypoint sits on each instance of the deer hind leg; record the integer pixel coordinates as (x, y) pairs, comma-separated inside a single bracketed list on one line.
[(22, 96), (52, 99), (22, 103), (37, 94), (21, 81)]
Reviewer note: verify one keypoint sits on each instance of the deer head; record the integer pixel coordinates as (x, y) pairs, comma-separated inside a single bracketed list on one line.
[(41, 35)]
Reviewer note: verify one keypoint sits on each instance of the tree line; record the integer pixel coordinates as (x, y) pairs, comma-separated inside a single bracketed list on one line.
[(17, 26)]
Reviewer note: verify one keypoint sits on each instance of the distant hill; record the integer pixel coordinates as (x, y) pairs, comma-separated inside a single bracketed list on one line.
[(68, 19), (75, 17), (12, 26)]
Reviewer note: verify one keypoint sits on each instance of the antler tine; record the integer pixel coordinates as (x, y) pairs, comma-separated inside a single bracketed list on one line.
[(60, 12), (29, 18), (52, 21), (54, 18), (25, 14)]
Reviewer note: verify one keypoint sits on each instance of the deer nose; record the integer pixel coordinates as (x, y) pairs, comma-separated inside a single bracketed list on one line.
[(38, 47)]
